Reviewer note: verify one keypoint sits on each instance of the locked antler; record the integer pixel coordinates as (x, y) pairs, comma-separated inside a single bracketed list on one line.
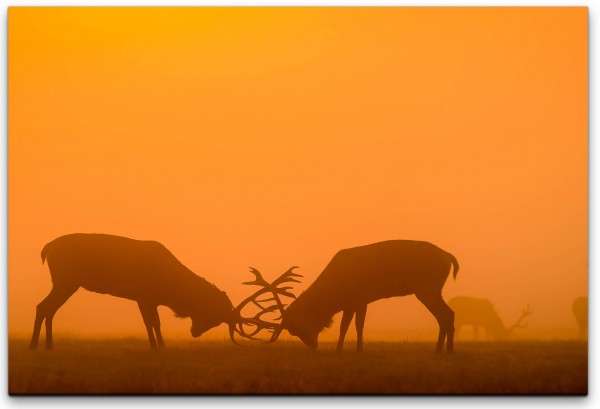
[(256, 322)]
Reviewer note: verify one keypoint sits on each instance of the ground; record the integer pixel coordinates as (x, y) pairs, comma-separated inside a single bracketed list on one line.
[(128, 366)]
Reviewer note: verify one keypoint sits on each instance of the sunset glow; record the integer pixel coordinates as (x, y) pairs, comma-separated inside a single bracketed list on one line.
[(274, 137)]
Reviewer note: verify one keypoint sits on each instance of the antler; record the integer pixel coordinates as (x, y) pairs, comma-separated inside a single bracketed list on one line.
[(526, 312), (256, 321)]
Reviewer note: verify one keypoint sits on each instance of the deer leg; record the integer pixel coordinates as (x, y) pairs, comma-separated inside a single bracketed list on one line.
[(37, 325), (156, 324), (458, 326), (346, 318), (361, 313), (46, 310), (40, 316), (429, 302), (445, 318), (147, 316), (488, 334), (448, 316)]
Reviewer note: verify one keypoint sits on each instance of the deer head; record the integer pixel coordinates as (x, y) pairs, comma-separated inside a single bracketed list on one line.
[(250, 327)]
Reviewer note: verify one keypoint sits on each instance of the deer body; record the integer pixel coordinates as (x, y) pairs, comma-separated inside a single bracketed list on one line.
[(480, 312), (358, 276), (580, 311), (142, 271)]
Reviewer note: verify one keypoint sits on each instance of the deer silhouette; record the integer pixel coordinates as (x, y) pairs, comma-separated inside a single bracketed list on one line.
[(480, 312), (142, 271), (358, 276), (580, 311)]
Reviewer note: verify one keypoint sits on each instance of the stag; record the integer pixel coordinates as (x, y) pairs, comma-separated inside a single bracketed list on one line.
[(142, 271), (580, 310), (358, 276), (479, 312)]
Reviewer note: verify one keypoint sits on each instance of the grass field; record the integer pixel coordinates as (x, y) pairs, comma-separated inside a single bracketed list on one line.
[(128, 366)]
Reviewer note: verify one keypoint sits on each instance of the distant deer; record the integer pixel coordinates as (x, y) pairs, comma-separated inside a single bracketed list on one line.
[(142, 271), (479, 312), (580, 310), (358, 276)]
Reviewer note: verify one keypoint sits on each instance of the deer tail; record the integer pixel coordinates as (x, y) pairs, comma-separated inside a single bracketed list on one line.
[(454, 265), (44, 251)]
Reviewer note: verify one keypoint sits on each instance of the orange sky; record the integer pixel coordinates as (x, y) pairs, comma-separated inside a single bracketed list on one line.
[(275, 137)]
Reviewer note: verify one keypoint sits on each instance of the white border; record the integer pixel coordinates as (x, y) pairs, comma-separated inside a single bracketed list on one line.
[(276, 402)]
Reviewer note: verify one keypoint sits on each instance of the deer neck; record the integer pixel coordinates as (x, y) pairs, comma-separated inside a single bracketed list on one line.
[(197, 295), (319, 310)]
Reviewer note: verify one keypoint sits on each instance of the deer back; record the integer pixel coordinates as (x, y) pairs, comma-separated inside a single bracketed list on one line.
[(127, 268)]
